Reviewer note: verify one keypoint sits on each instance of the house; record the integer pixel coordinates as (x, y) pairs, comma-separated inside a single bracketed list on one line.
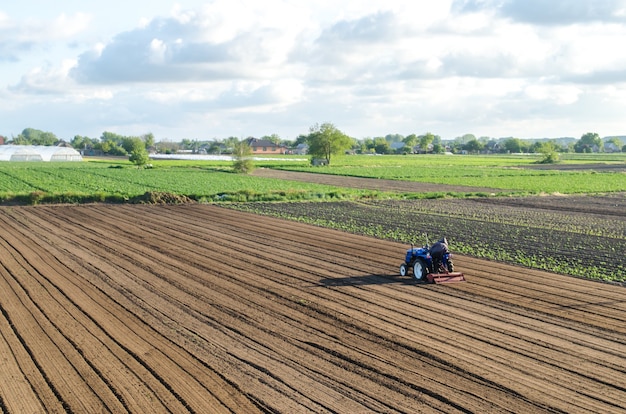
[(611, 147), (301, 149), (264, 146)]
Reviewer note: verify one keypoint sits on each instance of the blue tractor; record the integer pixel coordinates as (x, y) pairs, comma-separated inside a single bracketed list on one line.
[(424, 267)]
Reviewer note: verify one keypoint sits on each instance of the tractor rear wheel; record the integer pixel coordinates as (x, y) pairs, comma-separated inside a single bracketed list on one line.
[(403, 269), (419, 269)]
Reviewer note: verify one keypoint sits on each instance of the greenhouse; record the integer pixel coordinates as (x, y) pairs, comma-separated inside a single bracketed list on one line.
[(38, 153)]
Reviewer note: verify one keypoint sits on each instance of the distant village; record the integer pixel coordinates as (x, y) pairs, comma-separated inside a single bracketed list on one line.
[(119, 145)]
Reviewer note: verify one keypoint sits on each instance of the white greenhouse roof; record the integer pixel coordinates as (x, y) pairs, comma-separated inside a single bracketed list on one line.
[(38, 153)]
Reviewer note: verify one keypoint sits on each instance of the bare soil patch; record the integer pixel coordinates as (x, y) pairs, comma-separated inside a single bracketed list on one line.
[(198, 308), (370, 183)]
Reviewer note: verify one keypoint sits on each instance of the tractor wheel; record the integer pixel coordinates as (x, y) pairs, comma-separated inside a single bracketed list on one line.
[(450, 266), (403, 269), (419, 269)]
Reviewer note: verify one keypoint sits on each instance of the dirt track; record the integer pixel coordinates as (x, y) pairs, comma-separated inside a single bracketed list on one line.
[(370, 183), (196, 308)]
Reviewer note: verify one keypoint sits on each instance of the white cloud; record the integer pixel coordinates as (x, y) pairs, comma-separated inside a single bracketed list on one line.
[(560, 94), (372, 67)]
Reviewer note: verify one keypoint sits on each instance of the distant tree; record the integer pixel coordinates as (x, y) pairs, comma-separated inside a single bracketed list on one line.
[(148, 140), (513, 145), (436, 140), (130, 143), (381, 145), (139, 155), (326, 140), (242, 158), (272, 138), (410, 141), (466, 138), (80, 142), (137, 150), (549, 151), (391, 138), (425, 140), (187, 144), (215, 147), (31, 136), (588, 142), (300, 140), (167, 147), (473, 146), (112, 137), (230, 143)]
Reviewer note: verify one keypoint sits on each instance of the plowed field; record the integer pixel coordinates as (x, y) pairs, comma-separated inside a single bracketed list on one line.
[(197, 308)]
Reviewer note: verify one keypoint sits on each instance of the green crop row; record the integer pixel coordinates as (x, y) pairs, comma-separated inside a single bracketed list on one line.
[(115, 181), (118, 179)]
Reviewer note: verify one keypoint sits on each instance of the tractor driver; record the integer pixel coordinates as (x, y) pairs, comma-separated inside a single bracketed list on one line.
[(437, 251)]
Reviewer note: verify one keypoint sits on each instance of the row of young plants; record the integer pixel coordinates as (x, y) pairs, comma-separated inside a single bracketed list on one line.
[(32, 183), (503, 234), (118, 180)]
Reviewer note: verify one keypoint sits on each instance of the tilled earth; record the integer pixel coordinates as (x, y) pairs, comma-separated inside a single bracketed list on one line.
[(369, 183), (198, 308)]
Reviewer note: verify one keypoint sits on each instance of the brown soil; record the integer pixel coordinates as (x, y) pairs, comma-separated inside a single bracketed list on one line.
[(197, 308), (370, 183)]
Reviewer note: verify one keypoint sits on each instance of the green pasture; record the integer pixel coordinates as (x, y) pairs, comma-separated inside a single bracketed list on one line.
[(516, 173), (118, 180)]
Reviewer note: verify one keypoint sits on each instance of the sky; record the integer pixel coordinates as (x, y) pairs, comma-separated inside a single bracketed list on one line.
[(205, 70)]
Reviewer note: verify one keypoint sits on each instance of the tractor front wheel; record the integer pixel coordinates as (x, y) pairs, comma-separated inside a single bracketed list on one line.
[(419, 269), (403, 269)]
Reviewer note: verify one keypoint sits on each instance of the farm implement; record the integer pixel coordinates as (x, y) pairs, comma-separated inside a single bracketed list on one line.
[(428, 267)]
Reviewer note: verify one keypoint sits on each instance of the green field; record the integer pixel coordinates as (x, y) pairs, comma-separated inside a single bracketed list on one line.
[(115, 180), (120, 181), (514, 172)]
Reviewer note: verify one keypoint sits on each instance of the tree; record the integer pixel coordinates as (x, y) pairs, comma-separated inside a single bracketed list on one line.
[(326, 140), (473, 146), (31, 136), (148, 140), (513, 145), (465, 138), (549, 151), (410, 140), (425, 141), (242, 158), (588, 143), (391, 138), (138, 154), (381, 146), (300, 140), (79, 142)]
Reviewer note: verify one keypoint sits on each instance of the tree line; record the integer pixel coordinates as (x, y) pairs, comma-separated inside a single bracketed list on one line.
[(323, 141)]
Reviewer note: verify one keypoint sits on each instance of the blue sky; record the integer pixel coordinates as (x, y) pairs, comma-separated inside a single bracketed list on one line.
[(213, 69)]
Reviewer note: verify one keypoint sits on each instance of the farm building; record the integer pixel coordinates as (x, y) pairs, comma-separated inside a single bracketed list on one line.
[(264, 146), (38, 153)]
